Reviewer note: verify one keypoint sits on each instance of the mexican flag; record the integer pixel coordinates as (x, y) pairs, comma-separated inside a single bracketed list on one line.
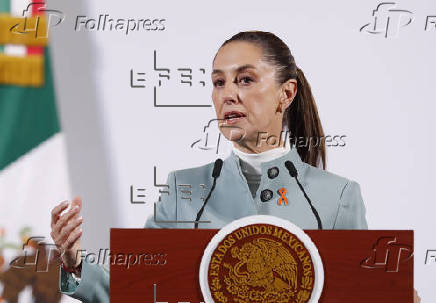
[(33, 162)]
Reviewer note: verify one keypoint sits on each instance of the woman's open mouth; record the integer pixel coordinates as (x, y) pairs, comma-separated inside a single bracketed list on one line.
[(233, 117)]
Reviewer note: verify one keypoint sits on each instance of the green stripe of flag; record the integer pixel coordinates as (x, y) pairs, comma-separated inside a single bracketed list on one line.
[(28, 116), (5, 7)]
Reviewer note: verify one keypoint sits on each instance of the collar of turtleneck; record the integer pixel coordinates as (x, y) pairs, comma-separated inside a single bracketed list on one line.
[(251, 163)]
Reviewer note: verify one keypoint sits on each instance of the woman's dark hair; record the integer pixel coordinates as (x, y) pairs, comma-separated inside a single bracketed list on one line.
[(301, 116)]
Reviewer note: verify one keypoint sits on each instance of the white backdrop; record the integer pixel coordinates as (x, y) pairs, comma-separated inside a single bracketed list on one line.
[(374, 88)]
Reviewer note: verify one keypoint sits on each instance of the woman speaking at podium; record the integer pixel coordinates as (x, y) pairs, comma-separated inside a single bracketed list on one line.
[(258, 92)]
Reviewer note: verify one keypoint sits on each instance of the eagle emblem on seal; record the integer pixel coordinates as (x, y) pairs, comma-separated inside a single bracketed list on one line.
[(264, 263)]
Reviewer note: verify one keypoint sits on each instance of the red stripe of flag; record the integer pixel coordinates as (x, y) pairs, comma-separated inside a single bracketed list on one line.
[(37, 9)]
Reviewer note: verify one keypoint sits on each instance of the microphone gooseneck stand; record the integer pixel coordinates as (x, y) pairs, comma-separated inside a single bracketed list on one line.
[(293, 172), (215, 174)]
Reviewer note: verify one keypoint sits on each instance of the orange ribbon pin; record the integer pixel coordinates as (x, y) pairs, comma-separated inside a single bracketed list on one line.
[(282, 192)]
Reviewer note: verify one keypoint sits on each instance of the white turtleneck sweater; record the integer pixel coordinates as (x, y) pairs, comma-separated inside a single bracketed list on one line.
[(251, 164)]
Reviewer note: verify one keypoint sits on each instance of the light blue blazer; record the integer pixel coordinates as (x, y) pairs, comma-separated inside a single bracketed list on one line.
[(338, 201)]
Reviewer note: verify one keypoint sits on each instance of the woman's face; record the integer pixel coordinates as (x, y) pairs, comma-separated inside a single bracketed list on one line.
[(246, 96)]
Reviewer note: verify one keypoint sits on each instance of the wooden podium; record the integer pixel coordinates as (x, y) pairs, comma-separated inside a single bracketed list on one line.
[(359, 265)]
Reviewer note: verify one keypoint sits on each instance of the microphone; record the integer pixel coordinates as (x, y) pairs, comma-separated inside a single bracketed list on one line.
[(217, 168), (293, 172), (215, 174), (291, 168)]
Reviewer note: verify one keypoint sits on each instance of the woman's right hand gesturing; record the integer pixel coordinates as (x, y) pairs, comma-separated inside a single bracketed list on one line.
[(66, 231)]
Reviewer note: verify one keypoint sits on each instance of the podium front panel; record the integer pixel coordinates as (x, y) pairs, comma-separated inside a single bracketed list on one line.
[(162, 265)]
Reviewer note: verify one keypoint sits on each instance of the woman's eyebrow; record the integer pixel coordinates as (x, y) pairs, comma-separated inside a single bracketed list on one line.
[(239, 69)]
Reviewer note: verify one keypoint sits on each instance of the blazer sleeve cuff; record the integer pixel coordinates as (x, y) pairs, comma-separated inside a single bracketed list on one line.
[(92, 287)]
